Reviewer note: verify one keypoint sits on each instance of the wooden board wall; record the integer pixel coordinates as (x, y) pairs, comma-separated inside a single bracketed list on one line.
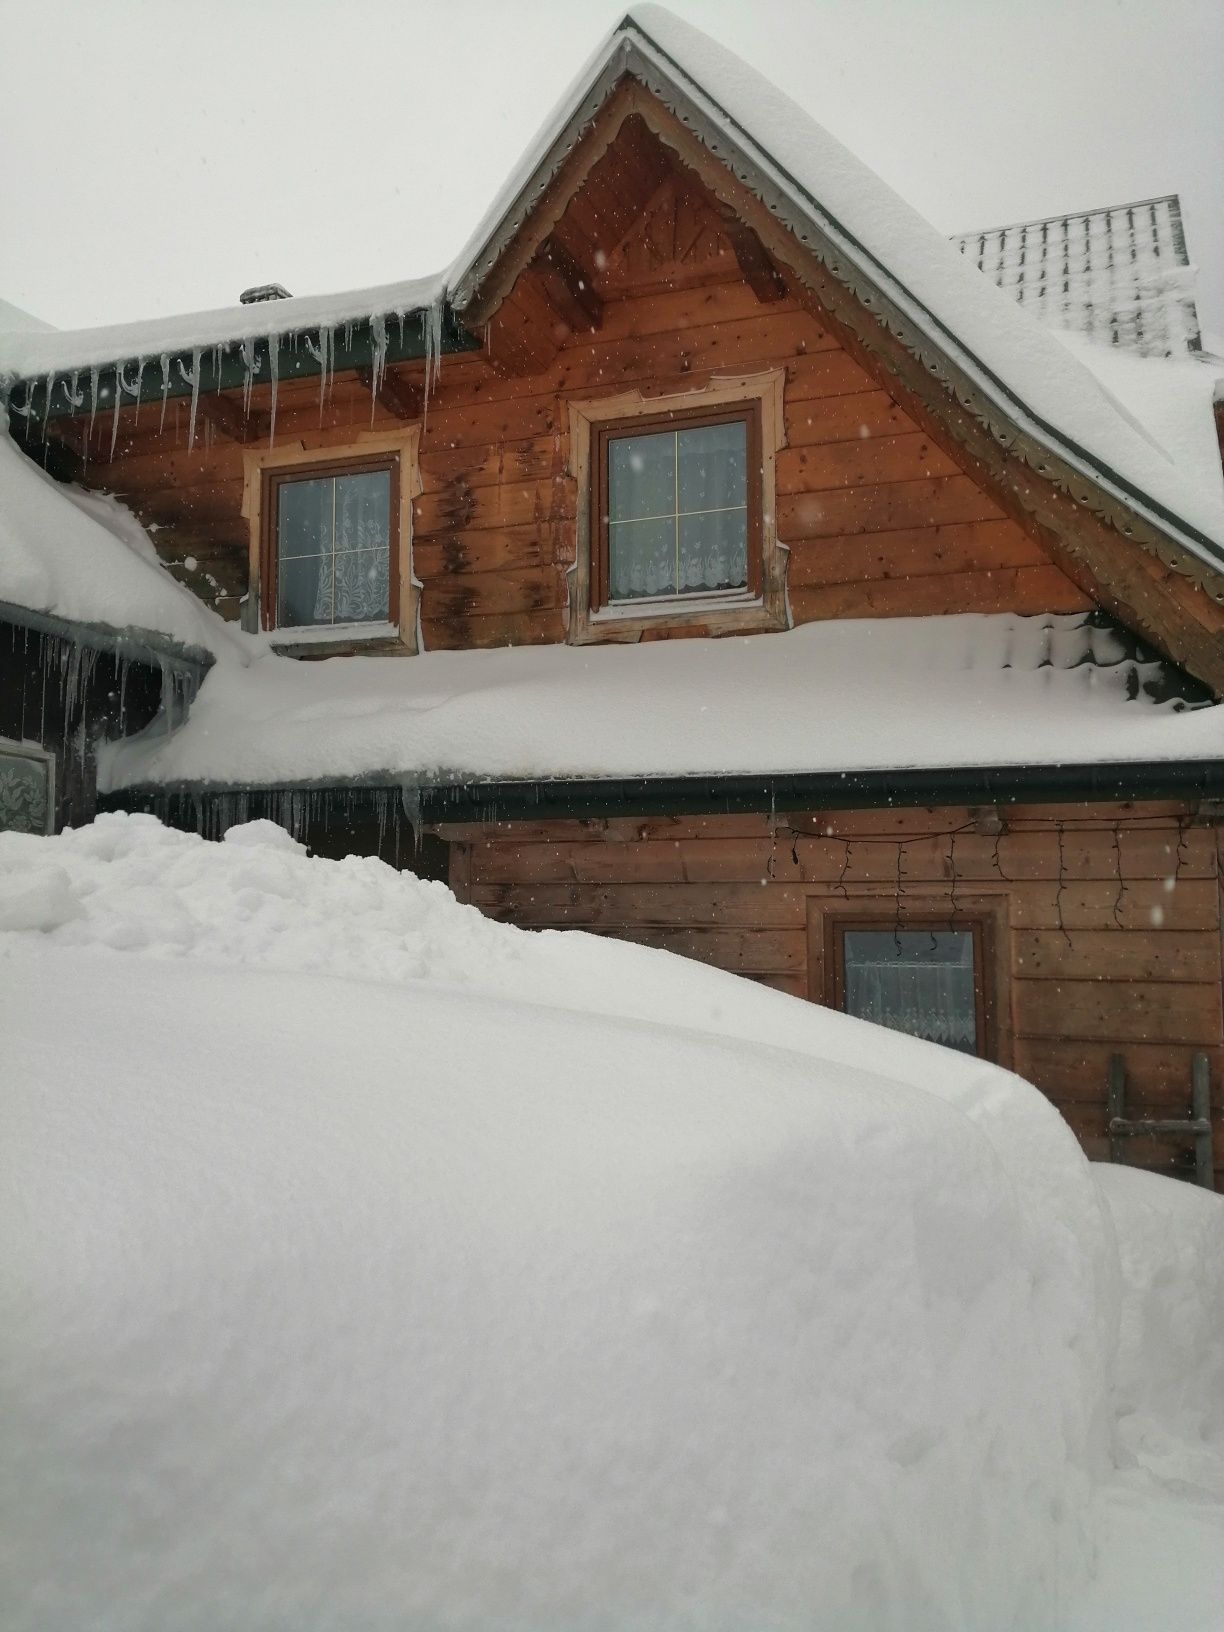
[(880, 520), (1113, 920)]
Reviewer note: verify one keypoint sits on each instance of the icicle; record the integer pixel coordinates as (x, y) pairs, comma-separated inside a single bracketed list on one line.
[(165, 374), (121, 385), (193, 380), (378, 331), (327, 344), (93, 401), (250, 365), (273, 364)]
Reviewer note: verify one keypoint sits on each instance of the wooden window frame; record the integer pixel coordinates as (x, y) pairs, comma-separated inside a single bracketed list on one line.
[(985, 916), (592, 424), (676, 419), (269, 576), (266, 470)]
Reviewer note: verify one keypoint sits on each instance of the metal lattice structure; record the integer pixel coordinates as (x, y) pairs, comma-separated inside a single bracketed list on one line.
[(1121, 275)]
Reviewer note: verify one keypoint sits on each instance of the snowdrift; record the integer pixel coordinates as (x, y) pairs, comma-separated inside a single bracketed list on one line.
[(371, 1264)]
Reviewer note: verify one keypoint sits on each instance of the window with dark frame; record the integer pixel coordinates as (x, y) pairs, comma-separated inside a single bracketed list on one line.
[(678, 503), (329, 544), (924, 978)]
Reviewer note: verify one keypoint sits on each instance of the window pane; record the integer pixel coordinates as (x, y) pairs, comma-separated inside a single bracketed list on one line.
[(915, 980), (303, 517), (713, 466), (334, 549), (361, 586), (641, 559), (714, 550), (642, 476), (25, 793), (363, 511), (304, 591)]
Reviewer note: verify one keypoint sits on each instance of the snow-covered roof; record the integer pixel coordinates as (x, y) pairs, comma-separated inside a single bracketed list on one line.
[(837, 696), (15, 320), (957, 320), (33, 355), (83, 559), (837, 204), (1120, 276)]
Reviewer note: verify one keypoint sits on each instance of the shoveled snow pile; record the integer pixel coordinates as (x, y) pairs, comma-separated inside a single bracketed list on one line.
[(371, 1264)]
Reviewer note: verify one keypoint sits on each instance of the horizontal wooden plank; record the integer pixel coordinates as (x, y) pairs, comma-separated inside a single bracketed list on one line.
[(1105, 954), (741, 951), (1117, 1011), (579, 905), (487, 465), (460, 508), (862, 463), (914, 552), (479, 594), (883, 508), (817, 420), (507, 549), (522, 628), (1023, 590)]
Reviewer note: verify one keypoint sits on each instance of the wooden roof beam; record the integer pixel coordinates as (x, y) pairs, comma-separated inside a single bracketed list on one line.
[(568, 286), (760, 273), (226, 416), (402, 399)]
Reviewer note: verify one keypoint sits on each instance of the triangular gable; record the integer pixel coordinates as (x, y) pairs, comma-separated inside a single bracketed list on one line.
[(1085, 476)]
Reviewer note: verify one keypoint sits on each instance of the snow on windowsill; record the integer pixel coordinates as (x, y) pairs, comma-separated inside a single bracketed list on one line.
[(331, 634)]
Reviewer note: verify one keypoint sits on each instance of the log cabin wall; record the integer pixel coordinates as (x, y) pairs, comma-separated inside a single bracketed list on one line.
[(1111, 922), (880, 519)]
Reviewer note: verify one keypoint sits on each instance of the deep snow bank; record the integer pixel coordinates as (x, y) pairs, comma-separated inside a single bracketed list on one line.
[(372, 1264)]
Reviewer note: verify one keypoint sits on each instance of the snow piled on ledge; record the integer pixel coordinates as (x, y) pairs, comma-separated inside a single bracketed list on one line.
[(84, 557), (973, 689), (372, 1264)]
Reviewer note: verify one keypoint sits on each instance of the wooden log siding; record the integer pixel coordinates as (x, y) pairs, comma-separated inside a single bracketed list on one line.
[(1113, 920), (881, 520)]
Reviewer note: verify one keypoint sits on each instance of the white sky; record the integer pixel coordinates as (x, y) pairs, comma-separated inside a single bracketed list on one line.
[(162, 155)]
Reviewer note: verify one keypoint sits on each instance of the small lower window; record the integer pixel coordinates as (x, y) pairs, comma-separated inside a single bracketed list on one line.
[(329, 545), (922, 979), (27, 788), (679, 505)]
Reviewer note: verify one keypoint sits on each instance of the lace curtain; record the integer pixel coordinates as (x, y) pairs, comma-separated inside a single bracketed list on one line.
[(917, 981), (678, 511), (334, 549)]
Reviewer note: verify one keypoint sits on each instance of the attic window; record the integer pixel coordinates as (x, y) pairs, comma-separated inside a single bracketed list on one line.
[(328, 545), (679, 512), (676, 524)]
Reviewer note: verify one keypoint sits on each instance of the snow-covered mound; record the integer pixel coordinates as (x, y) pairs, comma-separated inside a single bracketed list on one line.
[(1170, 1366), (370, 1264)]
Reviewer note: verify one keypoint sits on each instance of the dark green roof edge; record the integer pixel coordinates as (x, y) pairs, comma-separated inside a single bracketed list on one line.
[(222, 366), (133, 645), (589, 797)]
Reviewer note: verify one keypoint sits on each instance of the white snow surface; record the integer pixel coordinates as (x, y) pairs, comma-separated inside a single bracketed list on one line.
[(1171, 397), (84, 556), (16, 320), (371, 1264), (837, 695)]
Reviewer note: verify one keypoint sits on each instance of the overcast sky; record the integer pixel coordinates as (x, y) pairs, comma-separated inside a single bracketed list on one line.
[(161, 156)]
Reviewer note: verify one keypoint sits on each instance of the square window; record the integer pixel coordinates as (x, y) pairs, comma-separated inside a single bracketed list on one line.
[(678, 513), (329, 546), (924, 979)]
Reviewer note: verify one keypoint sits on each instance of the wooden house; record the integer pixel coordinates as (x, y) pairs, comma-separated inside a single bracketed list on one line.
[(717, 558)]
